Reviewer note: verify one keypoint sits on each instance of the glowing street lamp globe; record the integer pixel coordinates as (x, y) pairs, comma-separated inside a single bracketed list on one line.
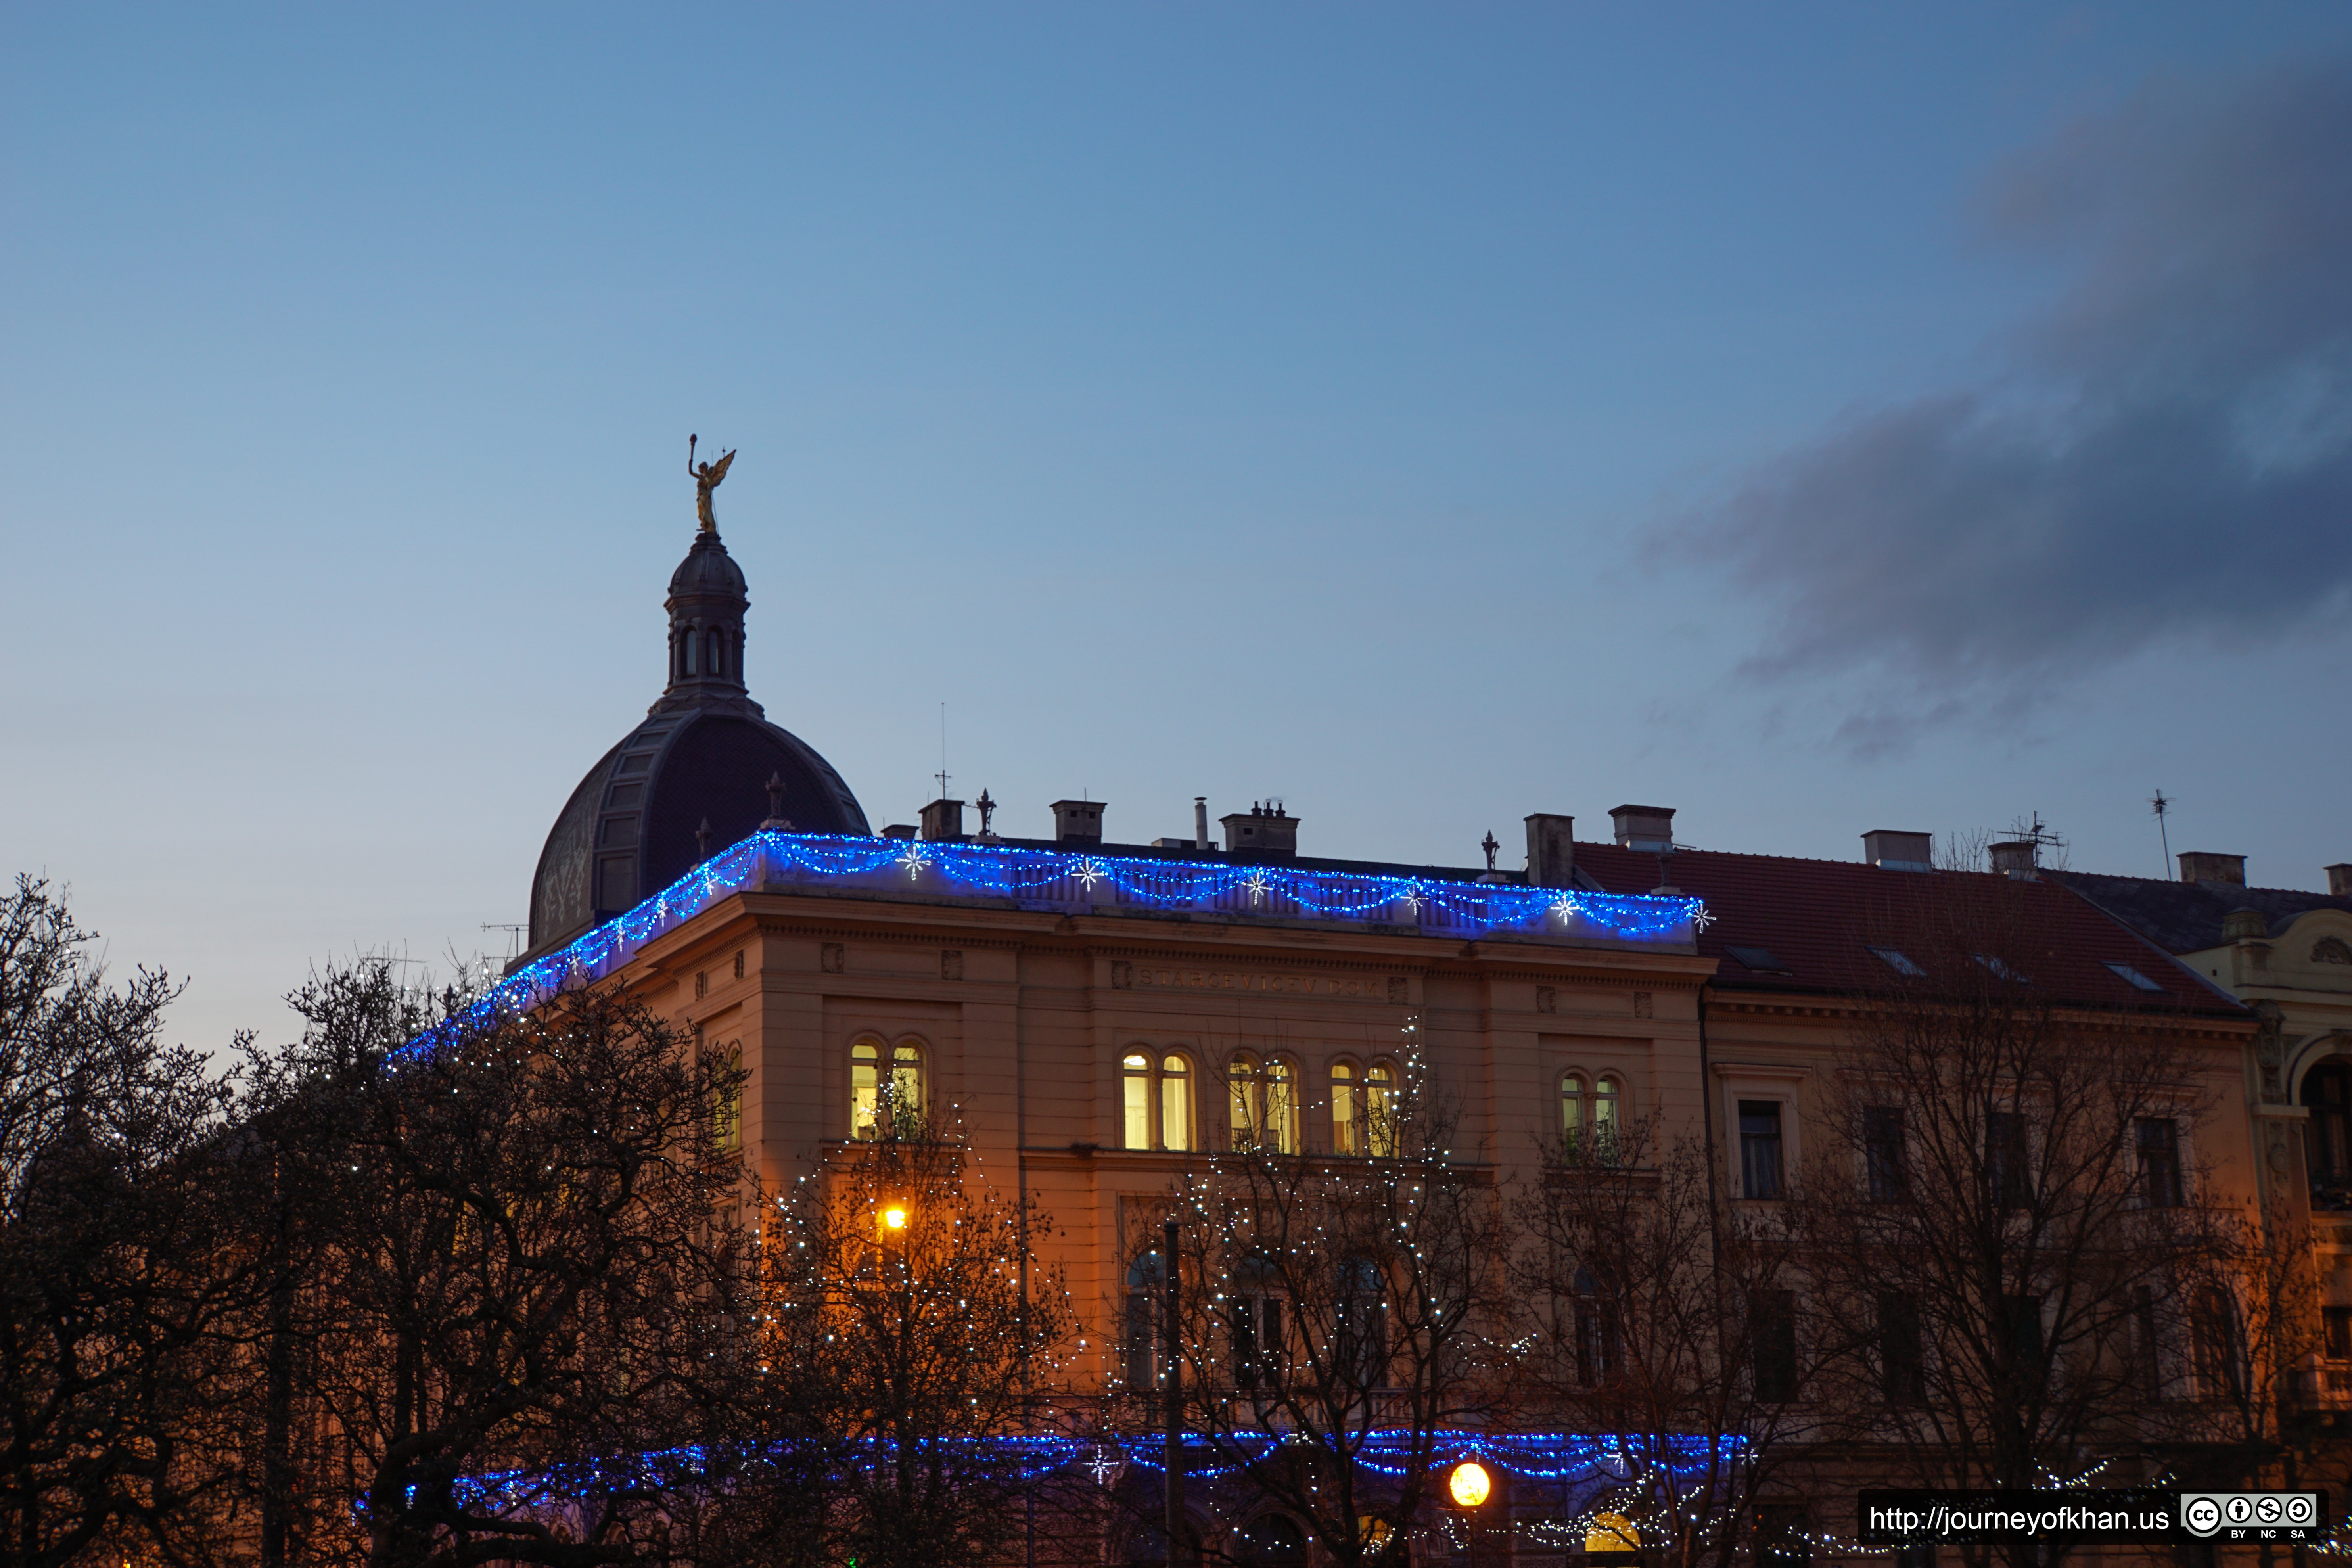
[(1469, 1484), (894, 1218)]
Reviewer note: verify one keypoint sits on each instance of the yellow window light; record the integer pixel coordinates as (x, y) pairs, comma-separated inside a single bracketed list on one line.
[(1469, 1484), (1612, 1533)]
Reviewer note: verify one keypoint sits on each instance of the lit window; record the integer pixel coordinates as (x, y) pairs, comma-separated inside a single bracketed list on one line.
[(1282, 1105), (1605, 1098), (885, 1100), (1590, 1120), (1164, 1090), (1264, 1104), (730, 1101), (1137, 1071), (1380, 1110), (1244, 1112), (1175, 1102), (1344, 1138)]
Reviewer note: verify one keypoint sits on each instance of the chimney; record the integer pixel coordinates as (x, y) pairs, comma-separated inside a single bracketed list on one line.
[(1265, 827), (1650, 827), (2015, 858), (1551, 851), (1077, 821), (943, 819), (2198, 866), (1891, 851), (1201, 823), (2339, 881)]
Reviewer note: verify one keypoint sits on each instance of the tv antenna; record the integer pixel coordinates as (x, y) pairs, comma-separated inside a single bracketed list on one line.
[(2158, 805), (943, 751)]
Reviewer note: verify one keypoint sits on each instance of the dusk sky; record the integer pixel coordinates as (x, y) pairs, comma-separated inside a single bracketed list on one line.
[(1812, 419)]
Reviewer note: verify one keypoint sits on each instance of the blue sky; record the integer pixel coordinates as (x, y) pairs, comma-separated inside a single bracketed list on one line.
[(1815, 419)]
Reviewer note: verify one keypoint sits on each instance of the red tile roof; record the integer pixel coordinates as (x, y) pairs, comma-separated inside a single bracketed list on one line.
[(1819, 920)]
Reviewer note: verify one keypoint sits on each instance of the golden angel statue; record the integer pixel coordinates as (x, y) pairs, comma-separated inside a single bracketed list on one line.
[(706, 477)]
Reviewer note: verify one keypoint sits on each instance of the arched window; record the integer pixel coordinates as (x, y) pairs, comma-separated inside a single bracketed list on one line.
[(1282, 1105), (1346, 1133), (1382, 1111), (1608, 1097), (718, 654), (885, 1099), (1156, 1100), (1135, 1071), (1175, 1102), (689, 639), (1572, 1115), (1245, 1110)]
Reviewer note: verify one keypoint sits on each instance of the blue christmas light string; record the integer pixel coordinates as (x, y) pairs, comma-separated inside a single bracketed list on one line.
[(1593, 1459), (1073, 882)]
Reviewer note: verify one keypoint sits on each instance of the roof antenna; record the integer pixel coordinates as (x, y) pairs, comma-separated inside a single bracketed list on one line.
[(2160, 805), (943, 751)]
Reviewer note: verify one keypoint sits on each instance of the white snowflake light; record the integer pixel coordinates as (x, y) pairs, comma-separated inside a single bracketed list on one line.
[(915, 859), (1701, 919), (1257, 884), (1087, 872)]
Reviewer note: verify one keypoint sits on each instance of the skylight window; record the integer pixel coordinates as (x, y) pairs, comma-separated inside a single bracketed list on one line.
[(1897, 961), (2004, 970), (1758, 959), (2138, 980)]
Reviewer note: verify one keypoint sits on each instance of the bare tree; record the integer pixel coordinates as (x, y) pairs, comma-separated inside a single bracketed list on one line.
[(516, 1277), (117, 1294), (911, 1345), (2003, 1216), (1342, 1314), (1663, 1316)]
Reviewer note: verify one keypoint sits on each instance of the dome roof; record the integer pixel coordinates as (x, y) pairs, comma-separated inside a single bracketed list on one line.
[(705, 757)]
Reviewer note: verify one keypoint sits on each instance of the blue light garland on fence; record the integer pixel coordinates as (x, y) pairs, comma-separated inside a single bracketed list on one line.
[(1604, 1460), (1074, 882)]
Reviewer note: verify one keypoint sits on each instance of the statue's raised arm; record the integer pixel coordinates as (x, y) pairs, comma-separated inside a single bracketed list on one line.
[(707, 477)]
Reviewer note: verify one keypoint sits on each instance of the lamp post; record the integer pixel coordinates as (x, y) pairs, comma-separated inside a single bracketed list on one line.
[(1172, 1454), (1468, 1486)]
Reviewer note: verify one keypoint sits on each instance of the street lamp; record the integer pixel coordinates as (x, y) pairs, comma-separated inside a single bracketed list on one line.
[(1469, 1484), (895, 1218)]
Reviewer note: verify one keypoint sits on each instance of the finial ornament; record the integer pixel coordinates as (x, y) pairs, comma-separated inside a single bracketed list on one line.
[(1489, 845), (707, 477)]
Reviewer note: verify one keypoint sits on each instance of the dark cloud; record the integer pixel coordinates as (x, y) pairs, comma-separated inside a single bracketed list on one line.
[(2166, 453)]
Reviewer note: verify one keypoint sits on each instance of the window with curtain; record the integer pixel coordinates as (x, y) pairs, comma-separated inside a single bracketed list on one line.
[(1282, 1105), (885, 1088), (729, 1130), (1245, 1110), (1175, 1102), (1156, 1109), (1135, 1070), (1572, 1115), (1346, 1133), (1380, 1110)]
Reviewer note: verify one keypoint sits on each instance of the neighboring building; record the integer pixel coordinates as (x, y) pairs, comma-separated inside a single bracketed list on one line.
[(2287, 954)]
